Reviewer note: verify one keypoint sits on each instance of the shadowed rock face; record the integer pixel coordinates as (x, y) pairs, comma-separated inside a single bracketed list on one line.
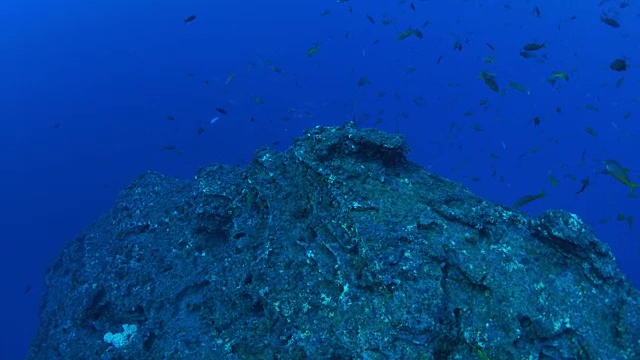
[(339, 248)]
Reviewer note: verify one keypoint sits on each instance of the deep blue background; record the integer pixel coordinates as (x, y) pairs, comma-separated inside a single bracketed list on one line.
[(86, 88)]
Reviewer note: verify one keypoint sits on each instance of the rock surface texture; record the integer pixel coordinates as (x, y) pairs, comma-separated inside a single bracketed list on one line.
[(338, 248)]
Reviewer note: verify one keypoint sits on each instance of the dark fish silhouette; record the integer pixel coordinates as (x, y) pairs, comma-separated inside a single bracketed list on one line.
[(527, 199), (533, 47), (618, 65), (585, 183), (610, 21), (189, 19)]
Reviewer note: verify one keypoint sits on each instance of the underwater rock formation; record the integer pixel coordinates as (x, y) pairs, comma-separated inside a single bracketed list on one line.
[(338, 248)]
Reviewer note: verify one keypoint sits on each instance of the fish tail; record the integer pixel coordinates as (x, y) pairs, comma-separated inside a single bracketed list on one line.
[(633, 186)]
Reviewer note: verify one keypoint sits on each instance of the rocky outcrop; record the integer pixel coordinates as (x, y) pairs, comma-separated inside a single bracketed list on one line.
[(339, 248)]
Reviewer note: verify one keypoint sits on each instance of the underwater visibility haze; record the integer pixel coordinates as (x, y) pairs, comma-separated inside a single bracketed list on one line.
[(534, 105)]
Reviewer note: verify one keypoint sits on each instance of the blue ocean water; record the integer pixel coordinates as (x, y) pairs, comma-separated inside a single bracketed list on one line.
[(94, 93)]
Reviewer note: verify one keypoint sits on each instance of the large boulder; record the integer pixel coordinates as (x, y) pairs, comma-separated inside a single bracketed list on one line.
[(338, 248)]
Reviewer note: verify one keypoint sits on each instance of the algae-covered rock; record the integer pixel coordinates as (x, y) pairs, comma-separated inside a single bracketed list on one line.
[(338, 248)]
